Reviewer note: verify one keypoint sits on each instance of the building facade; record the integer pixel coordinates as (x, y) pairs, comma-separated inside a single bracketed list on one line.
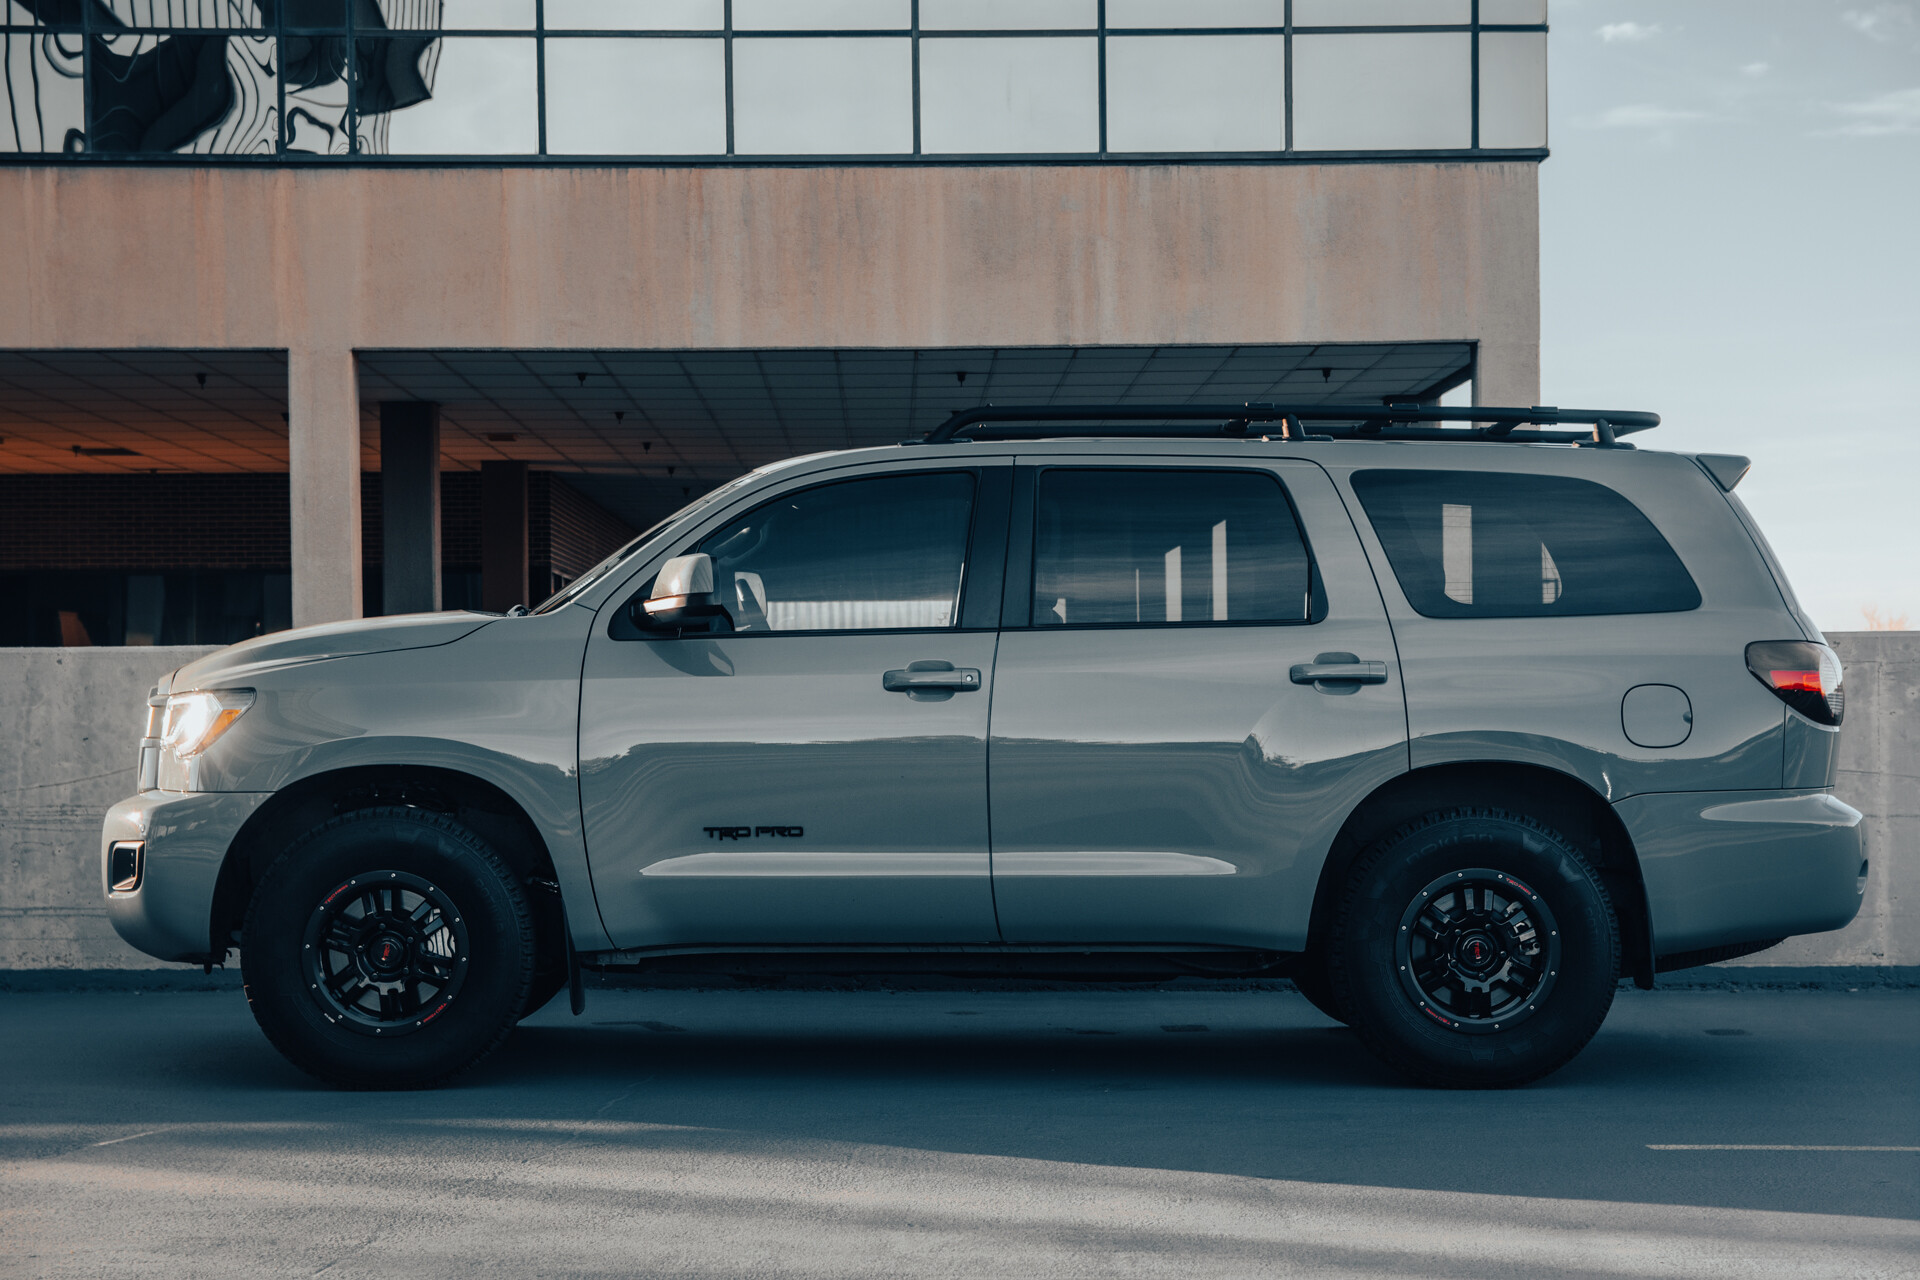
[(313, 308)]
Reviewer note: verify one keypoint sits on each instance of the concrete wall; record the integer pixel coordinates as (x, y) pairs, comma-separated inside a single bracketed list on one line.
[(70, 725), (72, 718), (327, 261)]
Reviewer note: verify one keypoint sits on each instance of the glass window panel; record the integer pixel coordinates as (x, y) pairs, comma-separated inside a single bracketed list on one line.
[(1196, 93), (313, 15), (823, 96), (821, 15), (862, 555), (482, 100), (1486, 544), (1513, 89), (201, 92), (1369, 13), (251, 123), (1010, 95), (1513, 11), (417, 15), (1007, 15), (636, 97), (46, 97), (1196, 13), (636, 15), (316, 93), (1135, 547), (1393, 91), (146, 15)]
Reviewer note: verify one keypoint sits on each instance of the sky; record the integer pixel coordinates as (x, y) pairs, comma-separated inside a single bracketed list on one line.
[(1730, 236)]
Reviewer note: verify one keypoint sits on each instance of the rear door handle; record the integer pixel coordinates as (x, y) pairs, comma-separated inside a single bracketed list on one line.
[(1355, 672), (913, 680)]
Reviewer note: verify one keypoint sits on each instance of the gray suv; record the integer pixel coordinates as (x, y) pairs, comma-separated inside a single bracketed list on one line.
[(1455, 726)]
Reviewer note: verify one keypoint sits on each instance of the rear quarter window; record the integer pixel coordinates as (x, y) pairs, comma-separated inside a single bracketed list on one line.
[(1492, 544)]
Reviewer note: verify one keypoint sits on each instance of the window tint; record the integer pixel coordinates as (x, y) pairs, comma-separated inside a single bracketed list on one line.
[(859, 555), (1483, 544), (1116, 548)]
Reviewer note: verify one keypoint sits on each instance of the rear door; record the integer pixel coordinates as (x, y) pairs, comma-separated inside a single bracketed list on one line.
[(817, 775), (1196, 682)]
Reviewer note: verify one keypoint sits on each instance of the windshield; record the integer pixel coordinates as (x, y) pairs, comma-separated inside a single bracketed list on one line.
[(573, 590)]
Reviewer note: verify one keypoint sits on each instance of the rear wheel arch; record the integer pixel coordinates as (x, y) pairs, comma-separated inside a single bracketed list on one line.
[(1557, 799), (479, 805)]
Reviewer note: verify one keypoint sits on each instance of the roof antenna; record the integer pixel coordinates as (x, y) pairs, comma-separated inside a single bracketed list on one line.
[(582, 377)]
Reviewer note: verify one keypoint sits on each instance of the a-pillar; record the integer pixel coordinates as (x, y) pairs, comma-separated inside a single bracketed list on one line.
[(504, 566), (323, 465), (409, 507)]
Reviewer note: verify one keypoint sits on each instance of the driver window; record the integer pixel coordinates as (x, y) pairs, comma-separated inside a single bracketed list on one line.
[(887, 553)]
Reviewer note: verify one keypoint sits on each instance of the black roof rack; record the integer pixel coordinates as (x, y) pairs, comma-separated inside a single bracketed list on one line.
[(1335, 421)]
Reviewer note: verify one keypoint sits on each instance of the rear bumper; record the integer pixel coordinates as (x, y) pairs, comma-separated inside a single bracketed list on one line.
[(1724, 867), (186, 838)]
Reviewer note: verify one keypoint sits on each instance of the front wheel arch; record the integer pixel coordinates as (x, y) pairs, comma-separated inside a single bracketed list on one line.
[(489, 811), (1557, 799)]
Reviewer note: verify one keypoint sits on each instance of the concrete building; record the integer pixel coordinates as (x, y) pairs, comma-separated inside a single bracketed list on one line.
[(312, 308)]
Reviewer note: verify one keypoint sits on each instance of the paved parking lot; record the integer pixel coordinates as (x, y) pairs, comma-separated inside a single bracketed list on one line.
[(815, 1133)]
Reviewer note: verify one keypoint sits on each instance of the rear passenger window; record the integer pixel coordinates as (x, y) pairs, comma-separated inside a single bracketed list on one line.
[(1139, 547), (1488, 544)]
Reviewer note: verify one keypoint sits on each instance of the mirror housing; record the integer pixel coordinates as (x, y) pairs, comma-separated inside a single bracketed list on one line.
[(682, 594)]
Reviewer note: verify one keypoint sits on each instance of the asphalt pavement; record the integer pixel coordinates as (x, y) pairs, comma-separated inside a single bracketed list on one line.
[(958, 1133)]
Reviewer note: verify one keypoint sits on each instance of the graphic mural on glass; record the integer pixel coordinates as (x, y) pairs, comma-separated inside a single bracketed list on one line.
[(773, 78), (204, 76)]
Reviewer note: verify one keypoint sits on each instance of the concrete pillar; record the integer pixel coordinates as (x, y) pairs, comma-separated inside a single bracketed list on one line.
[(323, 464), (409, 507), (504, 566), (1506, 372)]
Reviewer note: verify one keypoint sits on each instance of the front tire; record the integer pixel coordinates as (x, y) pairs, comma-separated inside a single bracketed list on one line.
[(1474, 948), (388, 948)]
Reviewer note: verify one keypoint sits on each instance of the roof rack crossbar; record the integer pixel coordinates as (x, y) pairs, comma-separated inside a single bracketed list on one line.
[(1375, 422)]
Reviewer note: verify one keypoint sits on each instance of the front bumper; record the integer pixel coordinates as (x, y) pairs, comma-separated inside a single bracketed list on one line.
[(186, 837), (1725, 867)]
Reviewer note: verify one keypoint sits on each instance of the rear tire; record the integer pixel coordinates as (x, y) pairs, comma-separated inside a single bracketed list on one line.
[(388, 948), (1474, 948)]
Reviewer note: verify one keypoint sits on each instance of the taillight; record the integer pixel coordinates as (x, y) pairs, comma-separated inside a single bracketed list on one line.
[(1804, 674)]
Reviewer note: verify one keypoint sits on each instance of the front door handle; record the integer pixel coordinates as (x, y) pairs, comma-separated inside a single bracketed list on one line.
[(919, 679), (1346, 671)]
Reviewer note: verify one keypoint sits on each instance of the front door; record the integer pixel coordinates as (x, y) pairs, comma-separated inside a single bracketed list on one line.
[(815, 771), (1195, 685)]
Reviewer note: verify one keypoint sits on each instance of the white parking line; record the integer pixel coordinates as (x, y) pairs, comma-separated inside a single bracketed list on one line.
[(1764, 1146), (146, 1133)]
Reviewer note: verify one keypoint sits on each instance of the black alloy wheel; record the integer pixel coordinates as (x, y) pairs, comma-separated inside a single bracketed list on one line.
[(1478, 950), (388, 948), (1474, 948), (386, 951)]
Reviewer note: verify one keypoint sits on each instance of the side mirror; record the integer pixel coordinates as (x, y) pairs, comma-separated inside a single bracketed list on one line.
[(682, 594)]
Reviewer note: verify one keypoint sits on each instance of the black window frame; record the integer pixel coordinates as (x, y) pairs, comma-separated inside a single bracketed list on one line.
[(1023, 549), (982, 573)]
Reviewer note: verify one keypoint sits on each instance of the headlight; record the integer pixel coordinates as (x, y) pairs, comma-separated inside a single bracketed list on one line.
[(195, 720)]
